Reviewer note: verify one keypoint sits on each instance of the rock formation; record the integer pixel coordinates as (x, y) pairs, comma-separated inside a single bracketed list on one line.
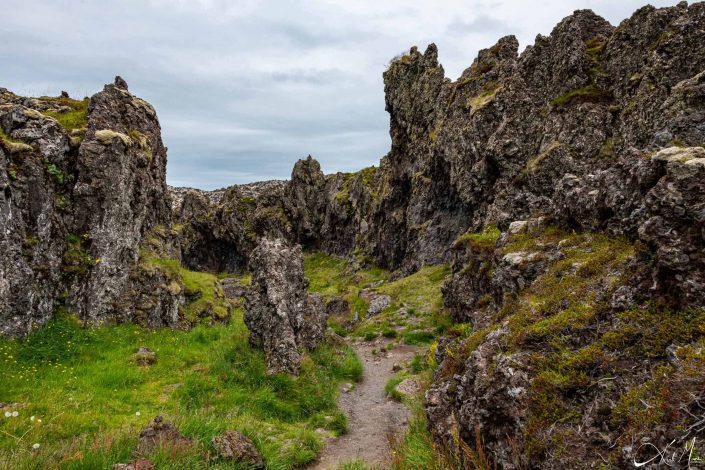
[(76, 204), (282, 317), (578, 161)]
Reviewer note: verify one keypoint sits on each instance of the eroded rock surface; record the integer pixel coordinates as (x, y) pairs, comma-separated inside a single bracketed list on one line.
[(282, 317), (75, 206), (232, 445)]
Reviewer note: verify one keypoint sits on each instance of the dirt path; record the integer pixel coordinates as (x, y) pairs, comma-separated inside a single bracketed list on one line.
[(371, 415)]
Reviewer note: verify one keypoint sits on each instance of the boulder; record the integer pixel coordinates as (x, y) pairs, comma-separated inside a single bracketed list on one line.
[(378, 303), (282, 317), (159, 434), (145, 357), (232, 445)]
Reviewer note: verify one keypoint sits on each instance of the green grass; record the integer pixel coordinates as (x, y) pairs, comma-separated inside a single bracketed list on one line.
[(87, 390), (390, 386), (487, 238), (419, 293), (586, 94), (330, 277), (76, 118)]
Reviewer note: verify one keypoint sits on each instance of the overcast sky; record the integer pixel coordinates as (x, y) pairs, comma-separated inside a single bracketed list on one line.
[(245, 88)]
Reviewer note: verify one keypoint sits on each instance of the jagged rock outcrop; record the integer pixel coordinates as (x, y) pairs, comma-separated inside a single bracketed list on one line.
[(232, 445), (76, 204), (120, 194), (35, 154), (565, 130), (282, 317)]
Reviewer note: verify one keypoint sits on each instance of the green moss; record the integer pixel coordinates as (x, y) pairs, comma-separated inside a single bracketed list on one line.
[(487, 238), (56, 173), (208, 300), (586, 94), (433, 135), (594, 47), (489, 91), (607, 151), (76, 259), (143, 142), (533, 165), (13, 146), (663, 37)]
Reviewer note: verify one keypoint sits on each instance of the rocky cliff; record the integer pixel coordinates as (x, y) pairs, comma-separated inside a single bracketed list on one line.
[(569, 129), (83, 182)]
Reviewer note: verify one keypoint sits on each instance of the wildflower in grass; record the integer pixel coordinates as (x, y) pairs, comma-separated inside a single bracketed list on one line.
[(15, 414), (7, 414), (138, 413), (31, 418), (35, 446)]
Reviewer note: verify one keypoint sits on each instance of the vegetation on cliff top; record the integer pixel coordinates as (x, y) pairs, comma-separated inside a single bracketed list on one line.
[(76, 117)]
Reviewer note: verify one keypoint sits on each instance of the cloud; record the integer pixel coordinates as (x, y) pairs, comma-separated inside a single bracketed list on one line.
[(480, 24), (245, 87)]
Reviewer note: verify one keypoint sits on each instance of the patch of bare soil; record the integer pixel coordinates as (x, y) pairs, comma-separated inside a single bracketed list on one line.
[(372, 416)]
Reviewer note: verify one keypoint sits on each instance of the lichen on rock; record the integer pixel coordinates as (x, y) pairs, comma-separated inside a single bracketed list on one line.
[(282, 317)]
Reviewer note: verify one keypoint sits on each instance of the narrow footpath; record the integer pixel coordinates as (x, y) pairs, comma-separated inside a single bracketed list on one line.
[(372, 417)]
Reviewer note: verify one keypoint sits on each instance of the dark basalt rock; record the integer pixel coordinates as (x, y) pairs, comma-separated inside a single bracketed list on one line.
[(232, 445), (282, 317), (158, 434)]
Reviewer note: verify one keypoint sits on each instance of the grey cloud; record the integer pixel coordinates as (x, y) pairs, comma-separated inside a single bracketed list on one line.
[(244, 89), (480, 24)]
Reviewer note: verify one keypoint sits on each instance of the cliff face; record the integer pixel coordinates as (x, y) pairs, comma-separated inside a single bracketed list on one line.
[(567, 130), (83, 182)]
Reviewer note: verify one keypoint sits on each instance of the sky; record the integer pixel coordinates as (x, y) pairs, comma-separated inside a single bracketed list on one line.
[(244, 88)]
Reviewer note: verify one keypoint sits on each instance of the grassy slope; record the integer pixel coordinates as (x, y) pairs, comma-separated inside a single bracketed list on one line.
[(418, 296), (87, 391)]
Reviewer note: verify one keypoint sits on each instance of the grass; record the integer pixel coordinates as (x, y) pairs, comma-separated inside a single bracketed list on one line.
[(330, 277), (489, 91), (416, 313), (13, 145), (487, 238), (76, 118), (92, 399), (586, 94)]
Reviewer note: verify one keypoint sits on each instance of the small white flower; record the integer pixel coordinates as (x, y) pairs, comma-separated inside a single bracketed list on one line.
[(31, 418), (35, 446), (138, 413), (39, 420), (7, 414), (15, 414)]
